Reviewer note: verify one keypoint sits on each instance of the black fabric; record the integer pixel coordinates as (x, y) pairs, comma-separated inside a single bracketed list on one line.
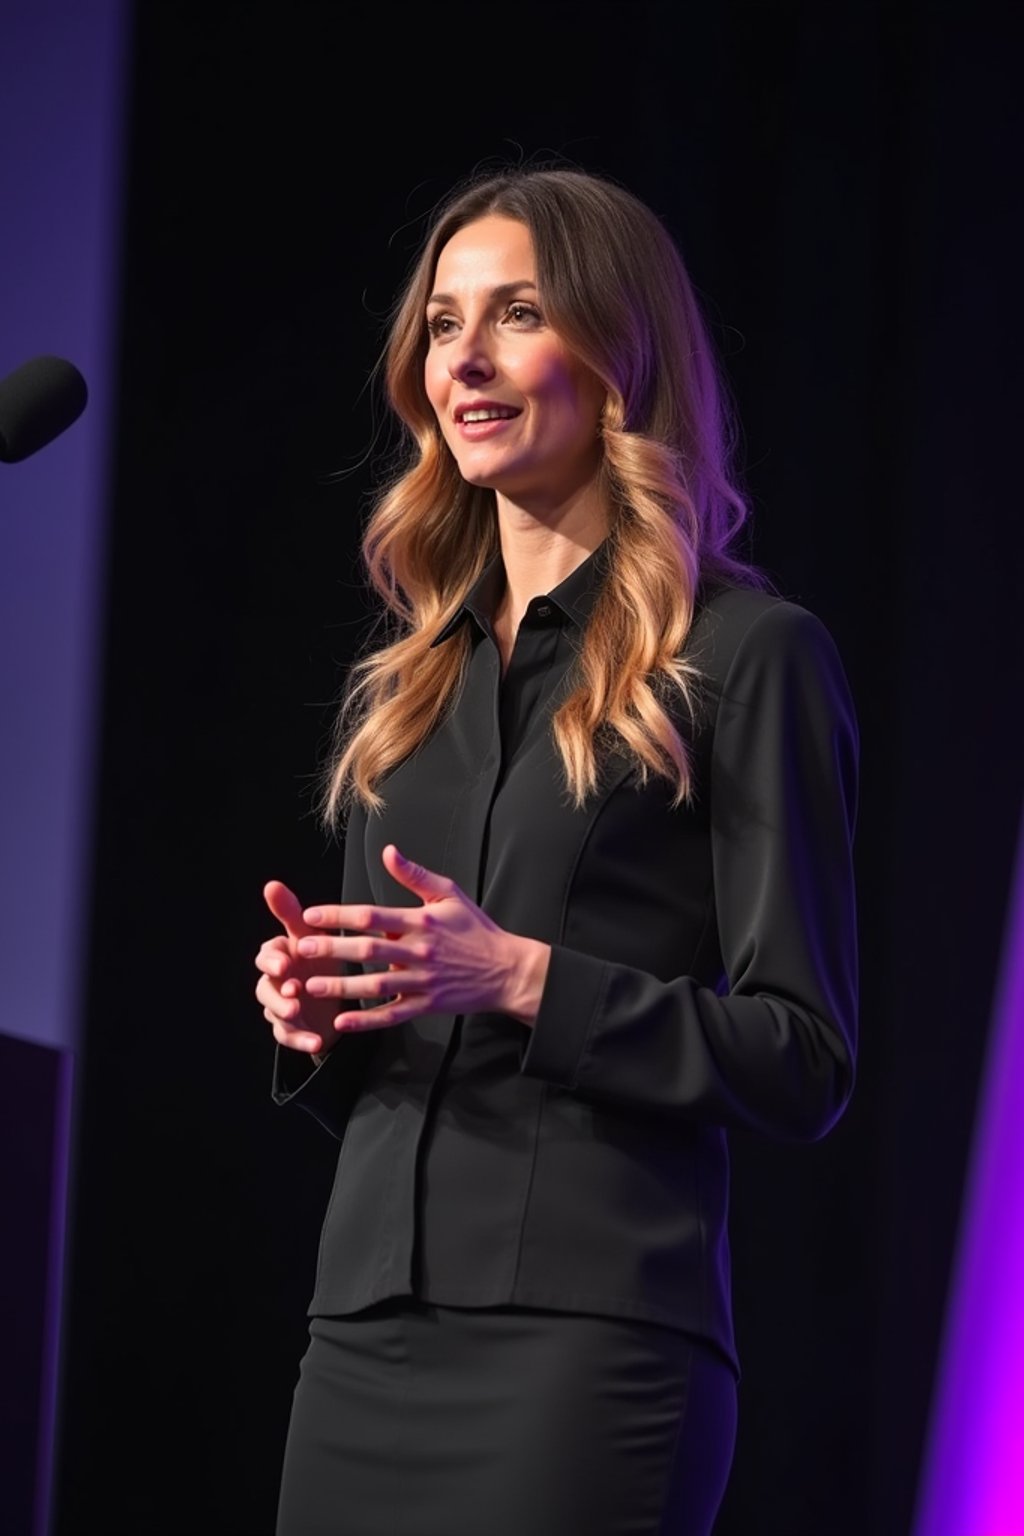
[(436, 1421), (703, 975)]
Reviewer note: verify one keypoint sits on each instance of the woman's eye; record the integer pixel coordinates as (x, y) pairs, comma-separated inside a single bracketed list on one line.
[(440, 325), (523, 314)]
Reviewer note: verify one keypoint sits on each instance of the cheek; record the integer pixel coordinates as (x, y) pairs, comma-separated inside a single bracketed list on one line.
[(570, 391), (575, 404), (434, 383)]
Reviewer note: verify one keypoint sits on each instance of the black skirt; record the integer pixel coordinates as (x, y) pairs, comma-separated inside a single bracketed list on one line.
[(411, 1419)]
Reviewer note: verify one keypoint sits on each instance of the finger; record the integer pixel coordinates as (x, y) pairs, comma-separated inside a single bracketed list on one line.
[(273, 958), (286, 907), (427, 885), (383, 1017), (367, 949), (270, 997), (277, 965), (295, 1039), (364, 919), (372, 984)]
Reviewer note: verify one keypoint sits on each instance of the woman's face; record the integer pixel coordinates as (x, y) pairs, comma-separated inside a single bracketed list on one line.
[(519, 412)]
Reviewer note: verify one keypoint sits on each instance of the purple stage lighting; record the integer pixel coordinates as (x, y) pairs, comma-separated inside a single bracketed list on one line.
[(973, 1482)]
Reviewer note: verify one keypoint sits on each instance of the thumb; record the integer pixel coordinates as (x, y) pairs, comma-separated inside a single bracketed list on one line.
[(423, 882), (287, 908)]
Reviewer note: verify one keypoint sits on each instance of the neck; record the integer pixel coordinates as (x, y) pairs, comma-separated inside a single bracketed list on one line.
[(538, 554)]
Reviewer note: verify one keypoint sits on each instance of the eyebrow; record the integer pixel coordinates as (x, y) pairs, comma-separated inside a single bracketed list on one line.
[(503, 291)]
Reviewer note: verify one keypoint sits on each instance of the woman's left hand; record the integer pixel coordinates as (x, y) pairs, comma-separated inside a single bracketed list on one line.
[(446, 956)]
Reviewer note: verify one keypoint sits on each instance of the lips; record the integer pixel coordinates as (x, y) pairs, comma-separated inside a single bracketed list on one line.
[(473, 412)]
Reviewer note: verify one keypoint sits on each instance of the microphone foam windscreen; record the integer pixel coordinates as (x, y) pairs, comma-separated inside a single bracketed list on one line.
[(38, 401)]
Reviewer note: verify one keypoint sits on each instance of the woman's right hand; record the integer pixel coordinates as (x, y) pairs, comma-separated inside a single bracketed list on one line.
[(299, 1022)]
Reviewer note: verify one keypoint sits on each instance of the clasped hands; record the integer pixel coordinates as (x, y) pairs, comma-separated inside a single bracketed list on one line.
[(444, 956)]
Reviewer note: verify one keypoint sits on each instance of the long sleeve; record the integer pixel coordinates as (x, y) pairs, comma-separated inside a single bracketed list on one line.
[(773, 1050), (327, 1091)]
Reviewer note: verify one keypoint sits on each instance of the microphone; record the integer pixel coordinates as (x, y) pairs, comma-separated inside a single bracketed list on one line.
[(38, 401)]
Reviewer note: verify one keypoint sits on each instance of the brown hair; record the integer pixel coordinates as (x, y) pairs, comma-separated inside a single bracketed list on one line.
[(614, 287)]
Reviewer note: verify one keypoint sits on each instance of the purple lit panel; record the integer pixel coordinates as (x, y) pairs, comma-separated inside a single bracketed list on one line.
[(62, 95), (61, 126), (973, 1481)]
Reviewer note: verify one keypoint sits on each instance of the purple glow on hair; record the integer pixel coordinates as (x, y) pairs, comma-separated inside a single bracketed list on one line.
[(973, 1482)]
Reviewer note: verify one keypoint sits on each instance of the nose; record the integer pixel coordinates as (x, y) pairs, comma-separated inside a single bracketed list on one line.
[(469, 357)]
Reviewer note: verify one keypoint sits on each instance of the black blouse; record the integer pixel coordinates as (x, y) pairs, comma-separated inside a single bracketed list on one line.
[(703, 975)]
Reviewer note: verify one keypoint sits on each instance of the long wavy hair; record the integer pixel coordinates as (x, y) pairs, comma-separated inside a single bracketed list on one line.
[(614, 287)]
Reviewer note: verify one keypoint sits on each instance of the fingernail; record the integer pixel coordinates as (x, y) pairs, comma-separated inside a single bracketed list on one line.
[(306, 946), (317, 985), (313, 915)]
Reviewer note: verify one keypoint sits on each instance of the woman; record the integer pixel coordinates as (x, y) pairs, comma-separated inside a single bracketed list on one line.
[(597, 905)]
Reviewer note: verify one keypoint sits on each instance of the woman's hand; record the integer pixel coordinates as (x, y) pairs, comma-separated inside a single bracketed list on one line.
[(452, 958), (300, 1022)]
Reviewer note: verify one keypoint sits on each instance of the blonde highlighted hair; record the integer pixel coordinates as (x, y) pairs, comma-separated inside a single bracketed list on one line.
[(614, 287)]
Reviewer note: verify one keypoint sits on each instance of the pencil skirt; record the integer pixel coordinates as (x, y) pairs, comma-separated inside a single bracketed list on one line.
[(411, 1419)]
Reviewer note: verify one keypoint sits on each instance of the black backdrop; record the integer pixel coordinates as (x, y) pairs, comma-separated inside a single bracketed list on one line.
[(840, 179)]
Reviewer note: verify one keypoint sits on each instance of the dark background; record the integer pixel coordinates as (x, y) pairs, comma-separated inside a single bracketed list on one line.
[(841, 180)]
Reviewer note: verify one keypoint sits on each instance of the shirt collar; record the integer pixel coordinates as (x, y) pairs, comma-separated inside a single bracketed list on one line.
[(575, 596)]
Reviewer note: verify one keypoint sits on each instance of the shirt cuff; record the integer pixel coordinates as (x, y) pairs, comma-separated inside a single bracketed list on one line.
[(573, 996), (293, 1071)]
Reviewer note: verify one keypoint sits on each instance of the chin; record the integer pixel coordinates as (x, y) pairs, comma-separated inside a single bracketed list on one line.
[(487, 477), (482, 481)]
